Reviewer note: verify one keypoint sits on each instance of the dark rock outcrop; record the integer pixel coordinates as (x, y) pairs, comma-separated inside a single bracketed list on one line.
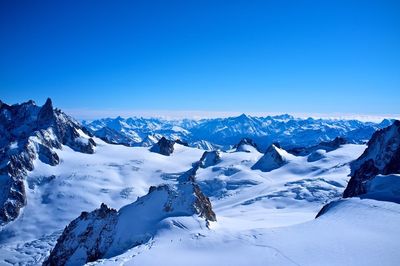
[(209, 158), (244, 144), (181, 142), (105, 232), (382, 156), (94, 240), (164, 147), (28, 132), (324, 145)]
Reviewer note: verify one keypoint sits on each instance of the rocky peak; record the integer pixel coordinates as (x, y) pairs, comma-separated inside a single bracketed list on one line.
[(29, 132), (246, 145), (164, 147), (46, 113), (209, 158), (273, 158), (106, 233), (382, 156), (95, 238)]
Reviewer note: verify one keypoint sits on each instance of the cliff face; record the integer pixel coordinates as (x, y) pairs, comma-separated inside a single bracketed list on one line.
[(29, 132), (381, 157)]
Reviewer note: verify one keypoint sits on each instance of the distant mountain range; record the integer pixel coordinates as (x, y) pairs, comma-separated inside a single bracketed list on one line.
[(224, 133)]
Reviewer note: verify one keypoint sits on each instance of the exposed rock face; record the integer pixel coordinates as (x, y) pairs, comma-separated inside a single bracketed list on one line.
[(272, 159), (209, 158), (90, 233), (181, 142), (105, 233), (246, 145), (381, 157), (164, 147), (28, 132), (327, 146)]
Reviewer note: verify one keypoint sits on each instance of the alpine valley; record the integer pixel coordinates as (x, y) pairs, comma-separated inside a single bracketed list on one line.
[(274, 190)]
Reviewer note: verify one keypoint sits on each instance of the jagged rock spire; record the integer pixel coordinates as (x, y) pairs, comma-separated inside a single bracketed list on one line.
[(46, 113)]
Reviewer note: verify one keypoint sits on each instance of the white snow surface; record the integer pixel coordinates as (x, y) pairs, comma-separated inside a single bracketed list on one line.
[(263, 218)]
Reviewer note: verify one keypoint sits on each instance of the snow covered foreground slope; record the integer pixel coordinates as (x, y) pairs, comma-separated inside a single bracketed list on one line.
[(268, 219), (250, 204)]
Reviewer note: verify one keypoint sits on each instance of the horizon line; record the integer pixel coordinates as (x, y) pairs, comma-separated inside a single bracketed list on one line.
[(94, 114)]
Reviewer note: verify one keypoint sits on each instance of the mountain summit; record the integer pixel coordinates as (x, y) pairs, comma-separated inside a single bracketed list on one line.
[(29, 132), (273, 158)]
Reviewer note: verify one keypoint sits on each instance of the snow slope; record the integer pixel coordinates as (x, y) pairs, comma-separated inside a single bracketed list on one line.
[(357, 232), (264, 218), (115, 175)]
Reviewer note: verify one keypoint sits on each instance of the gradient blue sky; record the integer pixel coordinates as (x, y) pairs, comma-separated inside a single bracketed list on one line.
[(231, 56)]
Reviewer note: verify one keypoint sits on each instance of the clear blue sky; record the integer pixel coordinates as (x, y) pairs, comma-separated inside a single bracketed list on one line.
[(245, 56)]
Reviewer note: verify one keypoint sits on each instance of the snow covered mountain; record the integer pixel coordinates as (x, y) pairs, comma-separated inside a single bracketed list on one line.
[(106, 233), (273, 158), (381, 157), (224, 133), (164, 202), (28, 132)]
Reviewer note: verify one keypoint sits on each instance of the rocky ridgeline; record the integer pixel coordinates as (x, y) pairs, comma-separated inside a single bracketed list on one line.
[(28, 132), (381, 157), (326, 146), (105, 232)]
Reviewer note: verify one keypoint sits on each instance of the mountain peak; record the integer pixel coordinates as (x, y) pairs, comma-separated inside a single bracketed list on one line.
[(243, 117), (246, 145), (106, 232), (46, 113), (37, 133), (382, 156), (273, 158)]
